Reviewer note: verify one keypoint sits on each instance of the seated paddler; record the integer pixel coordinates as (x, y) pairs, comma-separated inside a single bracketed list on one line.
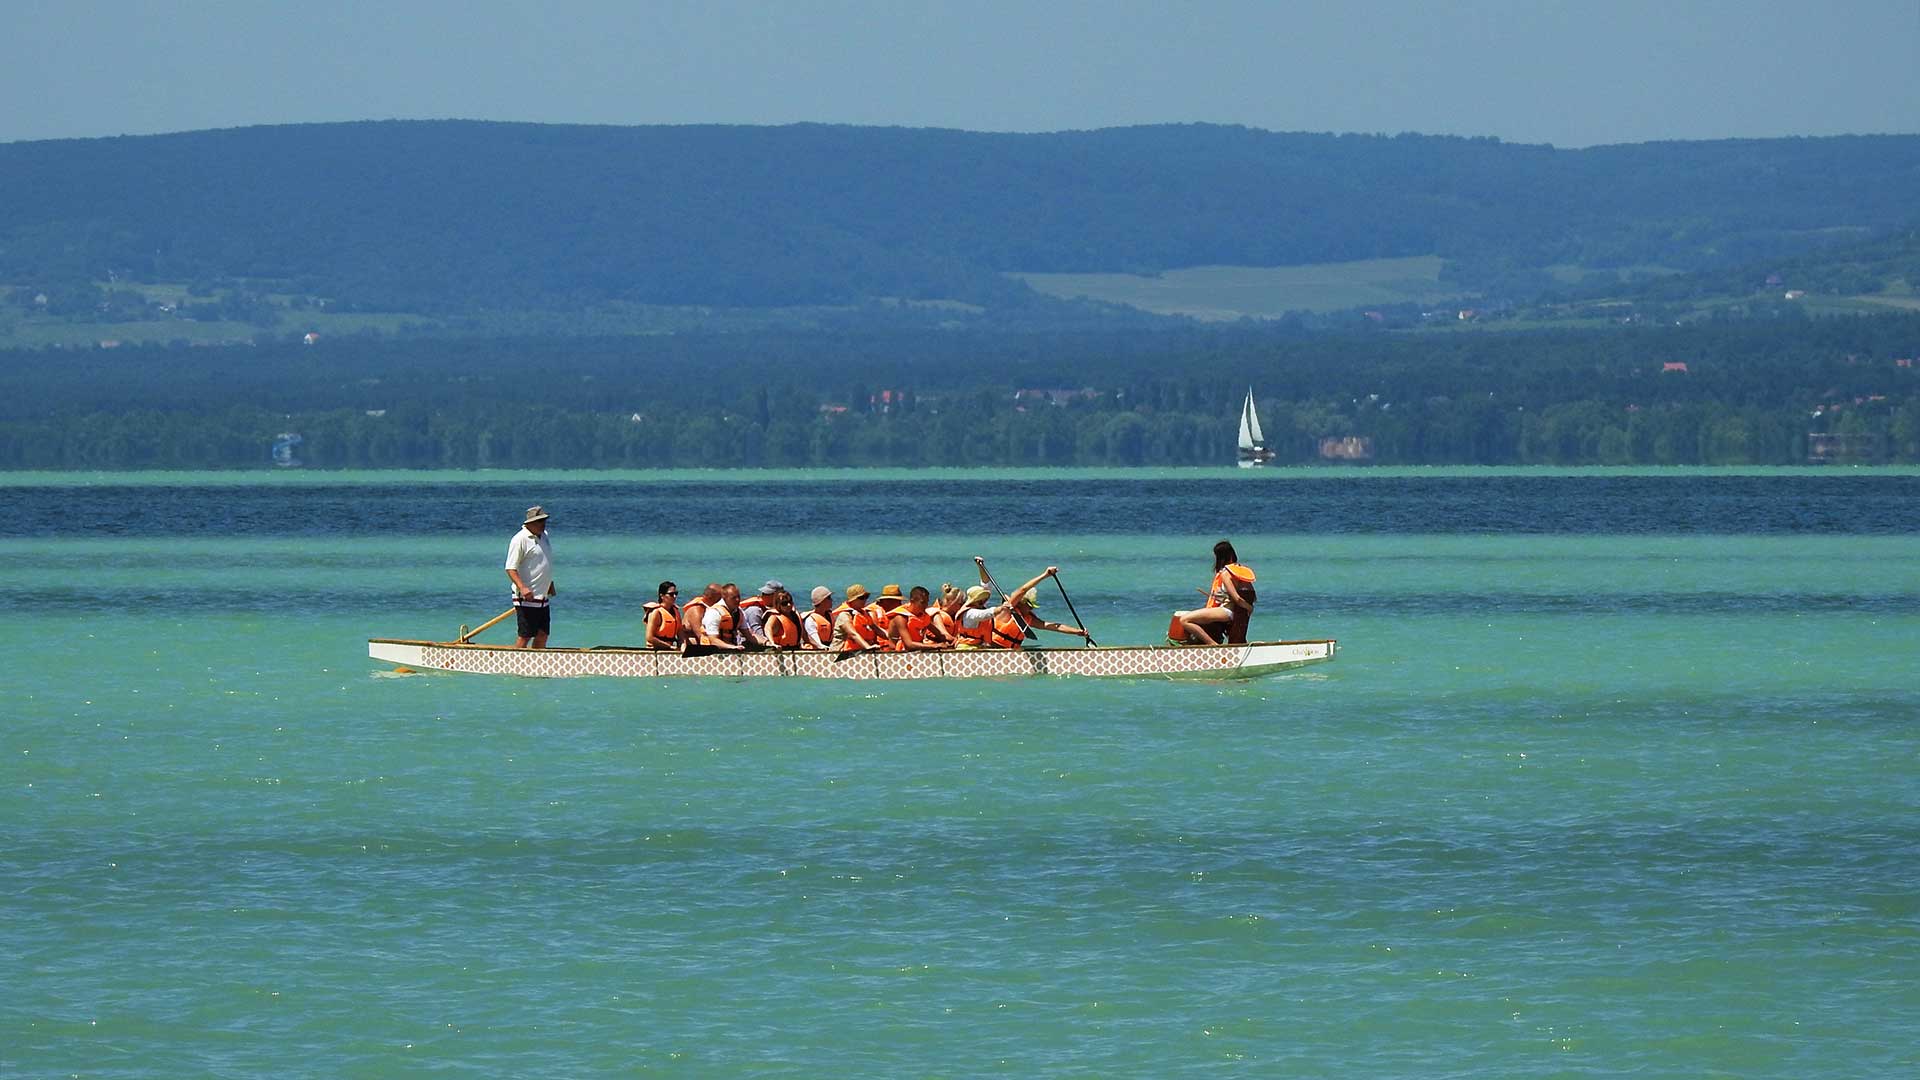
[(816, 626), (1230, 599), (783, 622), (663, 618), (753, 616), (1014, 620), (854, 628), (910, 626)]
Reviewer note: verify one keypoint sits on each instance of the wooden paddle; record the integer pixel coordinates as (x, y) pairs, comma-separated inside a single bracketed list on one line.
[(1026, 631), (1076, 614), (468, 635)]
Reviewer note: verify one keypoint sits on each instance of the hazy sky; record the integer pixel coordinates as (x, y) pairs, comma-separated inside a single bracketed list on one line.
[(1567, 73)]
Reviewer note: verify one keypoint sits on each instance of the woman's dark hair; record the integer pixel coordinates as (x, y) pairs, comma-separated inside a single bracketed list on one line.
[(1223, 554), (665, 585)]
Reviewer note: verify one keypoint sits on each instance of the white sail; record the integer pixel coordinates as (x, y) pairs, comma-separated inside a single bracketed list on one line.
[(1251, 437)]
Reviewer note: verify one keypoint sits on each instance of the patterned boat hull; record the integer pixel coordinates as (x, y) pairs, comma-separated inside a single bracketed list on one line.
[(1139, 661)]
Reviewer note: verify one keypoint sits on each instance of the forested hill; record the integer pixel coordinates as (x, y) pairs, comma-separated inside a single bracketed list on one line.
[(441, 216)]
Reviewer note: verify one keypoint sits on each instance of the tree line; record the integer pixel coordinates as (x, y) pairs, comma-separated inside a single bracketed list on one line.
[(1577, 432), (1700, 394)]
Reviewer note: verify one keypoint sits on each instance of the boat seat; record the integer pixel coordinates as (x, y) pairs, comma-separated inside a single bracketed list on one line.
[(1237, 629)]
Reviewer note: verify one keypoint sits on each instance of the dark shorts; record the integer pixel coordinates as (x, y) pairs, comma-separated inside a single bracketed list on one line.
[(534, 621)]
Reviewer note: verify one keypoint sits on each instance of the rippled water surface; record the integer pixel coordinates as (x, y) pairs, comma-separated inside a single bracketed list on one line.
[(1616, 773)]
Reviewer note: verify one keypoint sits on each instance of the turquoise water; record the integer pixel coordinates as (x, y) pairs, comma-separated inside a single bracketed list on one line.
[(1572, 801)]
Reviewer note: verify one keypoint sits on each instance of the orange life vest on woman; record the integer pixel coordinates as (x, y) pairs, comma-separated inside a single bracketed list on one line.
[(1217, 591), (1006, 632), (669, 621), (944, 623), (979, 635), (862, 622), (782, 631)]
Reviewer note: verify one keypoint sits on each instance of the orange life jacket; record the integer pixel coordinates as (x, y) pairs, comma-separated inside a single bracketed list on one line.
[(881, 618), (669, 621), (726, 622), (915, 630), (1217, 591), (822, 626), (862, 623), (944, 623), (1006, 632), (980, 635), (692, 614), (782, 631)]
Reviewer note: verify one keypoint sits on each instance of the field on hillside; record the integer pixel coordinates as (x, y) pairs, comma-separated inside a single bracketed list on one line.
[(1218, 293)]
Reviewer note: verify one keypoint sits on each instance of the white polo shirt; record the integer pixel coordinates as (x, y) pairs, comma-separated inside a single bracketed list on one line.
[(532, 558)]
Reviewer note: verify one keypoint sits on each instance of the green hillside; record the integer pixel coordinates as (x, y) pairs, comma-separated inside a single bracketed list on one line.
[(451, 220), (1215, 293)]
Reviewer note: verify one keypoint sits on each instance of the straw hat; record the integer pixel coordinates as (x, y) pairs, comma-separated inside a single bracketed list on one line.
[(534, 514), (857, 592)]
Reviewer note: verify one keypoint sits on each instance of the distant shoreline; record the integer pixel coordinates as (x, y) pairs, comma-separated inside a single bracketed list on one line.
[(24, 478)]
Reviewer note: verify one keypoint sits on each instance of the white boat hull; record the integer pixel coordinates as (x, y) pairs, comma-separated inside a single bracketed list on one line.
[(1127, 661)]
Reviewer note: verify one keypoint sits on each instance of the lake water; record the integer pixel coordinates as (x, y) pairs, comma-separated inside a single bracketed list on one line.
[(1616, 773)]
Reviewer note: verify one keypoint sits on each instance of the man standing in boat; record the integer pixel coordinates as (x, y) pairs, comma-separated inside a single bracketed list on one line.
[(530, 569)]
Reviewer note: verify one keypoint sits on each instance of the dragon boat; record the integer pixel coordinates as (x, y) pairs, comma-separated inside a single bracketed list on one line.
[(1242, 661)]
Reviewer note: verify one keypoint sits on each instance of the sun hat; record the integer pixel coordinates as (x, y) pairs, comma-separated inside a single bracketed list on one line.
[(978, 594), (889, 592), (857, 591), (821, 592), (534, 514), (771, 587)]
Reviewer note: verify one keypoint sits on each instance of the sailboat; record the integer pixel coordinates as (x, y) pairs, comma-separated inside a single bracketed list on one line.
[(1253, 443)]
